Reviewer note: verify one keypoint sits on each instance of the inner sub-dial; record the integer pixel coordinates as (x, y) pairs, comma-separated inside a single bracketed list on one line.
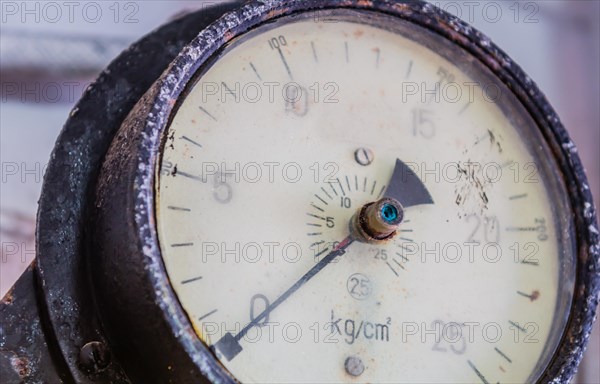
[(336, 209)]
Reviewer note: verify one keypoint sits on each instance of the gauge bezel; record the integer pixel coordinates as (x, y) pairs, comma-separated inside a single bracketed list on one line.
[(158, 106), (507, 103), (125, 250)]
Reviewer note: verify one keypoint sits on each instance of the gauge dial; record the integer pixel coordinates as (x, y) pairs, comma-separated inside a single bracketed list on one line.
[(289, 137)]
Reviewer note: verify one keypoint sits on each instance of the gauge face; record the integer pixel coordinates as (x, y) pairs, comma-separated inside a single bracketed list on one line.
[(280, 143)]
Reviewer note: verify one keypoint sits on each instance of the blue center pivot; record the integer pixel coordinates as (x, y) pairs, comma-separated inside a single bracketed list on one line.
[(389, 213)]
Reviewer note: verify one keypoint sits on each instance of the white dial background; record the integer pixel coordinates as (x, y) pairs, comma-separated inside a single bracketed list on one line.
[(248, 191)]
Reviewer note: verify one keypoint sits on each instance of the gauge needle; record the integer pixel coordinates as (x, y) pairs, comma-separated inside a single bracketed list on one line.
[(371, 223), (406, 187), (229, 345)]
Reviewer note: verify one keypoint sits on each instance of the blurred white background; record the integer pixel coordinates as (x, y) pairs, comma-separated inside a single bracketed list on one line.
[(51, 51)]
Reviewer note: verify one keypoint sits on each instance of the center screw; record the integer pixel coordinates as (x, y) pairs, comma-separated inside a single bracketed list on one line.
[(378, 221)]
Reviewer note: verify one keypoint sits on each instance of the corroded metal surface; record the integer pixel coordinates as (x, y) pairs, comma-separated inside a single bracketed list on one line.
[(137, 312), (168, 89), (25, 355), (64, 290)]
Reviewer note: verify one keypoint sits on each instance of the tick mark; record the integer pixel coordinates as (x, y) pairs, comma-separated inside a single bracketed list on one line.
[(182, 245), (189, 176), (521, 229), (228, 91), (532, 297), (328, 195), (314, 51), (191, 280), (405, 248), (347, 52), (530, 262), (191, 141), (323, 201), (521, 196), (285, 63), (392, 268), (317, 207), (322, 252), (179, 209), (340, 184), (206, 315), (463, 109), (398, 264), (409, 70), (482, 138), (317, 216), (517, 326), (255, 71), (503, 355), (474, 368), (333, 189), (207, 113)]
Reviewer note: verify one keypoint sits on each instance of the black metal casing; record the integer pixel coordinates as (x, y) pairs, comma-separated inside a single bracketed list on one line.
[(99, 274)]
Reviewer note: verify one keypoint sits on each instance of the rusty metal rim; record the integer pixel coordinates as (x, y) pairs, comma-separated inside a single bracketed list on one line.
[(566, 358), (254, 13)]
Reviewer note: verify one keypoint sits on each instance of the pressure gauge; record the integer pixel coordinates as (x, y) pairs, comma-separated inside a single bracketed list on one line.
[(331, 192)]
